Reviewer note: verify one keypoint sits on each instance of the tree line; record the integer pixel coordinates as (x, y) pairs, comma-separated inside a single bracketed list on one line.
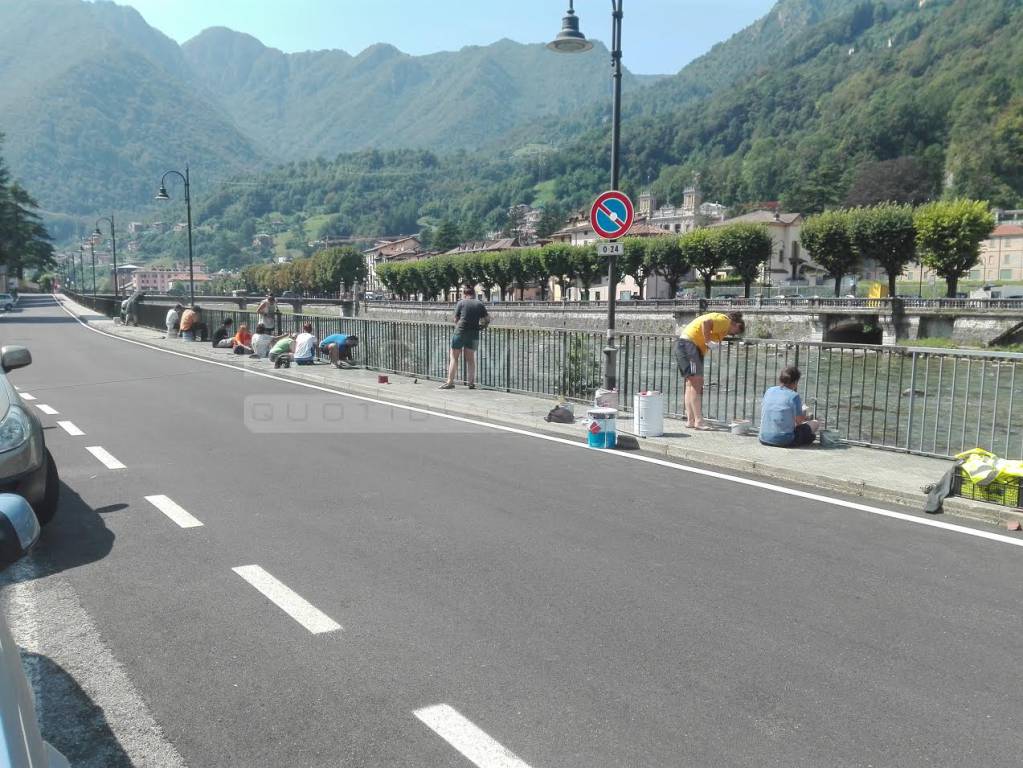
[(944, 236), (743, 247), (24, 241), (324, 272)]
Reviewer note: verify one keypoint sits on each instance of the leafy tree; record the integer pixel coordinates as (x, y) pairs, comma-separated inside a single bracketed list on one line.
[(886, 235), (827, 239), (534, 269), (700, 249), (552, 218), (948, 237), (446, 236), (336, 267), (588, 267), (669, 260), (557, 260), (472, 229), (637, 260), (747, 249), (902, 180), (24, 241)]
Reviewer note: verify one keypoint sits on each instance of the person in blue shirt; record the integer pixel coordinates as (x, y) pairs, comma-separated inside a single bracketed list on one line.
[(782, 421), (339, 346)]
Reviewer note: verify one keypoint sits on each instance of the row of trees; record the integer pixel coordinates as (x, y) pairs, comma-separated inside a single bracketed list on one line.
[(743, 247), (24, 241), (944, 236), (325, 272)]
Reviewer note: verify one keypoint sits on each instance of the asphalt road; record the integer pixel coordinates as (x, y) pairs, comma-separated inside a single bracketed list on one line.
[(572, 607)]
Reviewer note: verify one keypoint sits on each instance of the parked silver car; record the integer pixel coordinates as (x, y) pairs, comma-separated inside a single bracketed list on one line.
[(26, 466), (21, 744)]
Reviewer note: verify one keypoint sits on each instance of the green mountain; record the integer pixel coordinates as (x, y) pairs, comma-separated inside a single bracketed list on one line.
[(321, 103), (96, 104)]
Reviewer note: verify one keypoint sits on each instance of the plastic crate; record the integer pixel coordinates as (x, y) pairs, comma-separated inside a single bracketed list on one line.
[(1005, 493)]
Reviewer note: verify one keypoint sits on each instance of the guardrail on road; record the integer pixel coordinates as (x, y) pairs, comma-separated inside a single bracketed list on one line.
[(930, 402)]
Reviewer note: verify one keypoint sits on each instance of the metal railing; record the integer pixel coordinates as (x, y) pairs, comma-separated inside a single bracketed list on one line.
[(929, 402)]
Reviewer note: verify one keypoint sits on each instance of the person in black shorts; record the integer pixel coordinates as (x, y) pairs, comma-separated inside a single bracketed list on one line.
[(470, 314)]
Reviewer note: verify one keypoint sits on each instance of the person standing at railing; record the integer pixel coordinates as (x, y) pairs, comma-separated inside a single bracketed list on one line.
[(267, 310), (470, 316), (697, 339), (173, 320)]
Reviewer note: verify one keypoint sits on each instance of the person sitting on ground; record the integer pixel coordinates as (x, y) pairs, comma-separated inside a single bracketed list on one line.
[(701, 335), (338, 347), (261, 341), (173, 320), (783, 422), (223, 337), (305, 346), (242, 341), (280, 352)]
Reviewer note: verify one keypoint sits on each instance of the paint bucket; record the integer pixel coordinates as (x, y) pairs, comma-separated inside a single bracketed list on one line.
[(740, 427), (606, 398), (382, 379), (601, 427), (648, 414)]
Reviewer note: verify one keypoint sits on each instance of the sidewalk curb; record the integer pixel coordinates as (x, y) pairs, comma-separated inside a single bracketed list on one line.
[(855, 488)]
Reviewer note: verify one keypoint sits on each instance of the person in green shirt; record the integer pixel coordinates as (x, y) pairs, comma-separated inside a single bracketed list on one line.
[(280, 352)]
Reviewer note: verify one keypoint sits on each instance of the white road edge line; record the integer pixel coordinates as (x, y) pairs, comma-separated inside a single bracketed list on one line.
[(105, 458), (27, 397), (289, 601), (470, 741), (608, 455), (174, 511), (70, 428), (49, 410)]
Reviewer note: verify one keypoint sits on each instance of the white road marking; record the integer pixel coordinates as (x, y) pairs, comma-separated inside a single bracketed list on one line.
[(105, 458), (174, 511), (598, 455), (474, 744), (49, 410), (70, 428), (289, 601), (27, 396)]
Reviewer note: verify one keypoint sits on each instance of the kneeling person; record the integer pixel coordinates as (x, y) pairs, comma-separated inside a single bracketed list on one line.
[(338, 347), (782, 422), (305, 346)]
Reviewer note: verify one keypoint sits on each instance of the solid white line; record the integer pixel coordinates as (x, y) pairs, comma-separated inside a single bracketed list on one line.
[(49, 410), (297, 607), (27, 397), (105, 458), (70, 428), (474, 744), (599, 455), (174, 511)]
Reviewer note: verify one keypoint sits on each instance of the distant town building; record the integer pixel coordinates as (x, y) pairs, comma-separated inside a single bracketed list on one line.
[(136, 228), (403, 248), (263, 240), (789, 262), (486, 246), (161, 279)]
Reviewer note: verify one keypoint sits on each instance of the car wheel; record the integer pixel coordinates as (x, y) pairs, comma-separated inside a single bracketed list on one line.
[(46, 509)]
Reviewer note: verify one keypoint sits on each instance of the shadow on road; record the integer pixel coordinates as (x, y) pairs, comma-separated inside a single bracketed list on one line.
[(69, 719), (76, 536)]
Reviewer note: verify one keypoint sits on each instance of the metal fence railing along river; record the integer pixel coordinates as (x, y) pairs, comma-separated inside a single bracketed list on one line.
[(931, 402)]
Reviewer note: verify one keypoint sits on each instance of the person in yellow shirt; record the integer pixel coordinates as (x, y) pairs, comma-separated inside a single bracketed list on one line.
[(698, 338)]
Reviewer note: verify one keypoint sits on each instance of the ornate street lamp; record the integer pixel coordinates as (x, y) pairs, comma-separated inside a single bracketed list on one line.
[(162, 195), (571, 40)]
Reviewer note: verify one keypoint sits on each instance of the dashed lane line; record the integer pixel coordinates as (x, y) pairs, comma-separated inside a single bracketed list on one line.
[(289, 601), (105, 458), (27, 397), (49, 410), (174, 511), (70, 428), (475, 745)]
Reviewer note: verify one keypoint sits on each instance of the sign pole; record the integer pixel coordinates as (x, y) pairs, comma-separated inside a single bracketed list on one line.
[(611, 351)]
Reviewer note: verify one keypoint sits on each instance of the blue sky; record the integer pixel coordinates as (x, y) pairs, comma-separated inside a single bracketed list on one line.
[(659, 36)]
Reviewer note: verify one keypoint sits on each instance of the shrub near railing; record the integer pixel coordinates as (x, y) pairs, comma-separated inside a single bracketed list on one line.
[(931, 402)]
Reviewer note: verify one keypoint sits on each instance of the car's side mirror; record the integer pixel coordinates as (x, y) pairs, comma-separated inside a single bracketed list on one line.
[(19, 528), (14, 357)]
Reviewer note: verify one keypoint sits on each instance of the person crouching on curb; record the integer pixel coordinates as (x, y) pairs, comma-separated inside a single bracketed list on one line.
[(697, 339), (469, 313), (782, 421)]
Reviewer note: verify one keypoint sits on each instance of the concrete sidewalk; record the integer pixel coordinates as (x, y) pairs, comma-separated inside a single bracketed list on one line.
[(868, 473)]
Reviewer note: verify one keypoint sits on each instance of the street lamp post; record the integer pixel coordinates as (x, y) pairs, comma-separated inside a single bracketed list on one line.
[(92, 254), (162, 195), (571, 40), (81, 264), (113, 245)]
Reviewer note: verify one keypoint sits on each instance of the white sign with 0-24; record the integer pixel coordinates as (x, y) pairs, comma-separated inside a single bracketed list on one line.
[(610, 249)]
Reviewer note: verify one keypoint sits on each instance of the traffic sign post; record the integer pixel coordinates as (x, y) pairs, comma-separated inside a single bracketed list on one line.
[(611, 217)]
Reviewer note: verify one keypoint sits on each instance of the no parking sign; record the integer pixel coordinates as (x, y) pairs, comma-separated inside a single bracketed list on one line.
[(611, 215)]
